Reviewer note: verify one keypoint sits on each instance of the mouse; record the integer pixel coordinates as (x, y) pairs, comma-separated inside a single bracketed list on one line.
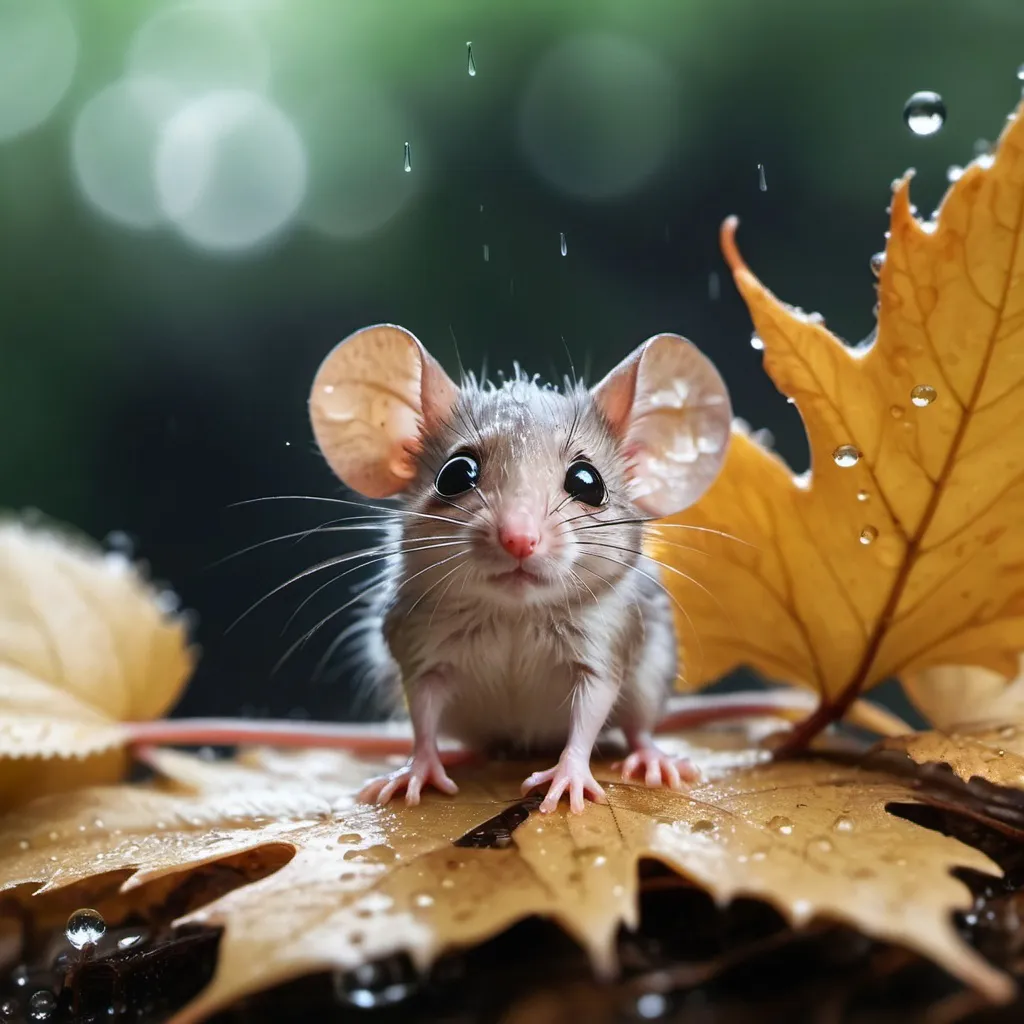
[(517, 609)]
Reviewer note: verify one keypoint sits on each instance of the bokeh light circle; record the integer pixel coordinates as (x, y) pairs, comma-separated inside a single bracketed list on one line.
[(357, 181), (113, 148), (38, 54), (199, 48), (597, 118), (230, 170)]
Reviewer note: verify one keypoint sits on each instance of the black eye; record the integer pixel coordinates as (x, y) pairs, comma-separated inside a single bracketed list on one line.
[(458, 475), (584, 483)]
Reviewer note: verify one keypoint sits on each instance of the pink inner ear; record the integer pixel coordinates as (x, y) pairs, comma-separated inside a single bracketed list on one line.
[(372, 398)]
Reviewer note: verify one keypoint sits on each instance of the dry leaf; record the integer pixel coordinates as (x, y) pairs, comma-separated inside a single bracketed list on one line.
[(814, 839), (84, 644), (905, 548)]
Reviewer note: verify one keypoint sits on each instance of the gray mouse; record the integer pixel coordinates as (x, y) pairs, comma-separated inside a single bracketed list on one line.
[(516, 608)]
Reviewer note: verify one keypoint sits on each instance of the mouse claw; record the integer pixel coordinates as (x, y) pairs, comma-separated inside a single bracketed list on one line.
[(658, 768), (411, 777), (568, 775)]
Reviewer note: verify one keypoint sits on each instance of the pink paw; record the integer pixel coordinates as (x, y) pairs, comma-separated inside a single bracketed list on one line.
[(659, 768), (569, 774), (422, 770)]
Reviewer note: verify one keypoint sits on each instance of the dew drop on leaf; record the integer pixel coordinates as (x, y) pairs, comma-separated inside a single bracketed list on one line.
[(822, 845), (85, 927), (877, 262), (924, 113), (756, 343), (41, 1005), (843, 824), (922, 395), (781, 824), (845, 456), (868, 535), (954, 172), (863, 496)]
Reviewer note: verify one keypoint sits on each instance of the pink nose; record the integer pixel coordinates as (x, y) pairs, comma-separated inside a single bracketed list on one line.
[(518, 534)]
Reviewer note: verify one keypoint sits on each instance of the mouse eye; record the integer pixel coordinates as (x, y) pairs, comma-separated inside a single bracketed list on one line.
[(458, 475), (584, 483)]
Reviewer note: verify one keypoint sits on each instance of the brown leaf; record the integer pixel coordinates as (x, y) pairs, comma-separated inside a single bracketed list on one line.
[(903, 547), (814, 839), (84, 644)]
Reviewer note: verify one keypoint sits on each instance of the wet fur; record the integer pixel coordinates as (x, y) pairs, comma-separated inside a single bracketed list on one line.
[(515, 658)]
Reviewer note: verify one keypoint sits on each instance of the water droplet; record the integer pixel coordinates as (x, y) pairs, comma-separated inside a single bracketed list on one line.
[(922, 395), (447, 883), (876, 263), (1020, 73), (822, 845), (408, 158), (470, 62), (924, 113), (756, 343), (423, 899), (651, 1006), (714, 286), (954, 172), (41, 1005), (781, 824), (128, 941), (704, 825), (487, 254), (561, 243), (843, 824), (791, 401), (762, 182), (85, 927), (897, 412), (845, 456), (863, 496), (9, 1009), (868, 535)]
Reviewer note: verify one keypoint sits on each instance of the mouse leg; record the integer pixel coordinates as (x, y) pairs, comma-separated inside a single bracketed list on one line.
[(592, 702), (651, 763), (427, 697)]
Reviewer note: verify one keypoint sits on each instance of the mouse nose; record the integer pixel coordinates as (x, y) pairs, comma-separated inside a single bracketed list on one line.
[(518, 533)]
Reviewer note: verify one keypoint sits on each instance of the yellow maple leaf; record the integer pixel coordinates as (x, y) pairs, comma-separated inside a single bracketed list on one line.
[(84, 645), (813, 838), (904, 546)]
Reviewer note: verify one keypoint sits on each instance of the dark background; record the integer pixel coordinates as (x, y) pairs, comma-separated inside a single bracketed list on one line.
[(156, 350)]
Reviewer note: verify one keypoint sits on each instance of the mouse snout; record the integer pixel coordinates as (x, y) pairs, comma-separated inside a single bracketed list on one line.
[(519, 532)]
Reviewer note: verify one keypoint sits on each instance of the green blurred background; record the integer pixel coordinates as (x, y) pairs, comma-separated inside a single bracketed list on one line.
[(199, 199)]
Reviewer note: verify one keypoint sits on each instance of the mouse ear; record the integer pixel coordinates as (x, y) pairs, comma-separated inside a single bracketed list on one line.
[(670, 410), (373, 398)]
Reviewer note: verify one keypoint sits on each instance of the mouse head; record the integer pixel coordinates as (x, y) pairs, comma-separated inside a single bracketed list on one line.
[(521, 493)]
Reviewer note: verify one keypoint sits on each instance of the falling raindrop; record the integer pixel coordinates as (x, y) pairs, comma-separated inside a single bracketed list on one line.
[(470, 62), (487, 254), (408, 158), (714, 286), (845, 456), (762, 182), (756, 343), (924, 113), (863, 495), (954, 172), (877, 262), (85, 927), (781, 825), (843, 824), (561, 242), (868, 535), (922, 395), (41, 1005)]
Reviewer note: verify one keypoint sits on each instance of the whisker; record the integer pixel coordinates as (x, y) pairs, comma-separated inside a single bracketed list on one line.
[(440, 600), (343, 501), (437, 583)]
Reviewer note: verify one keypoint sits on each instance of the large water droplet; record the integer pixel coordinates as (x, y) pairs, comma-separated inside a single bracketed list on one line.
[(41, 1005), (561, 243), (863, 495), (408, 158), (85, 927), (781, 825), (843, 824), (868, 535), (877, 261), (470, 62), (924, 113), (756, 343), (845, 456), (762, 182), (922, 395)]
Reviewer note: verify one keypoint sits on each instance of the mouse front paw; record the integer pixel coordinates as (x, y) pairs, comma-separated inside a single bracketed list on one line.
[(572, 774), (422, 770), (658, 768)]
